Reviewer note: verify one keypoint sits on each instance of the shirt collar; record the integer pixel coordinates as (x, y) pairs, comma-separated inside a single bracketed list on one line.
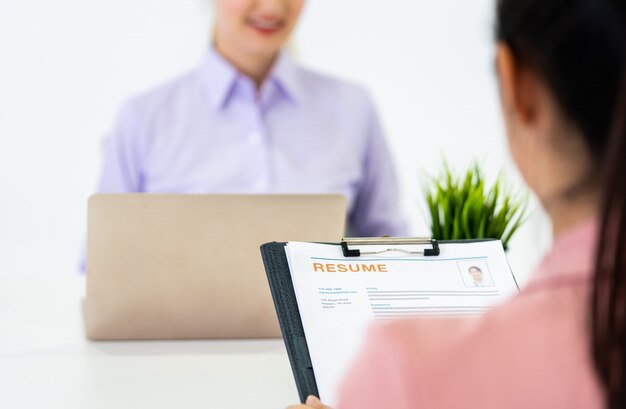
[(219, 77), (285, 75), (573, 251)]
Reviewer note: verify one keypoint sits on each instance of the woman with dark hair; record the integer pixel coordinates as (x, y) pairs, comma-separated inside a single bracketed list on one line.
[(561, 343)]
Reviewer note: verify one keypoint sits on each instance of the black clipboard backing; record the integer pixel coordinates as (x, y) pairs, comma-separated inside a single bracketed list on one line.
[(284, 296)]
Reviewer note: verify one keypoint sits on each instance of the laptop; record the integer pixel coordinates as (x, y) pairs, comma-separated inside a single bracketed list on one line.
[(189, 266)]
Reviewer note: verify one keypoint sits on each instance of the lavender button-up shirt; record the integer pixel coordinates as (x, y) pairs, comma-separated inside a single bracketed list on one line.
[(211, 131)]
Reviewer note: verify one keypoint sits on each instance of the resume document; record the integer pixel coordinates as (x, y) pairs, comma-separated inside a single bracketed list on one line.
[(340, 297)]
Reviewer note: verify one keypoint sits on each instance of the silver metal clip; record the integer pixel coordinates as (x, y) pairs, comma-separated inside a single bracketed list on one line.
[(389, 241)]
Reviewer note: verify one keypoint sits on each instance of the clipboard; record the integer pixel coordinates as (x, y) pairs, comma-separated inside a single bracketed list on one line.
[(284, 296)]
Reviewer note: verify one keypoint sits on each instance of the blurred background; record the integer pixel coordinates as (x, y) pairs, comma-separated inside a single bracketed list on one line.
[(66, 66)]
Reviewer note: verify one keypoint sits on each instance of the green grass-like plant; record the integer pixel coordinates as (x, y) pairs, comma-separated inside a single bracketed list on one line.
[(464, 208)]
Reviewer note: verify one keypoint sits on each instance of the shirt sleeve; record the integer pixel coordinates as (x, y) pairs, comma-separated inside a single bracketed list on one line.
[(122, 162), (377, 211)]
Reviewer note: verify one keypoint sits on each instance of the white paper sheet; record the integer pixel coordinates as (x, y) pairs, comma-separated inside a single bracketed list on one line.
[(340, 297)]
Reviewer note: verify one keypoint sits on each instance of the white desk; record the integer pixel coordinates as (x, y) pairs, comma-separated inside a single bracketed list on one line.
[(45, 361)]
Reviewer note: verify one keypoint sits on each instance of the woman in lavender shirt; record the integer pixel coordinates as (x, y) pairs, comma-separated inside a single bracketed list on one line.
[(248, 120)]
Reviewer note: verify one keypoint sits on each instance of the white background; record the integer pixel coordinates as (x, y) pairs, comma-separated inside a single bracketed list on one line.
[(67, 65)]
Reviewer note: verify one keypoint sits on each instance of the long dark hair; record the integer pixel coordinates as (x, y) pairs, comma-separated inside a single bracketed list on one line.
[(579, 48)]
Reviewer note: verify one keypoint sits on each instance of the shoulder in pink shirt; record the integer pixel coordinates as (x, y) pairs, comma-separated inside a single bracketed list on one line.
[(531, 352)]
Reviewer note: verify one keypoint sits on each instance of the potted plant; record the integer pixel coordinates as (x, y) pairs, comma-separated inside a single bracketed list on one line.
[(465, 208)]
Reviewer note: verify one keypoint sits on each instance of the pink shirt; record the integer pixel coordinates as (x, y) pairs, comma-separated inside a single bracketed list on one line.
[(531, 352)]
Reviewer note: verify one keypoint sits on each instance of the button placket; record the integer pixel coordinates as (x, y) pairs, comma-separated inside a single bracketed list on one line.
[(255, 137), (258, 139)]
